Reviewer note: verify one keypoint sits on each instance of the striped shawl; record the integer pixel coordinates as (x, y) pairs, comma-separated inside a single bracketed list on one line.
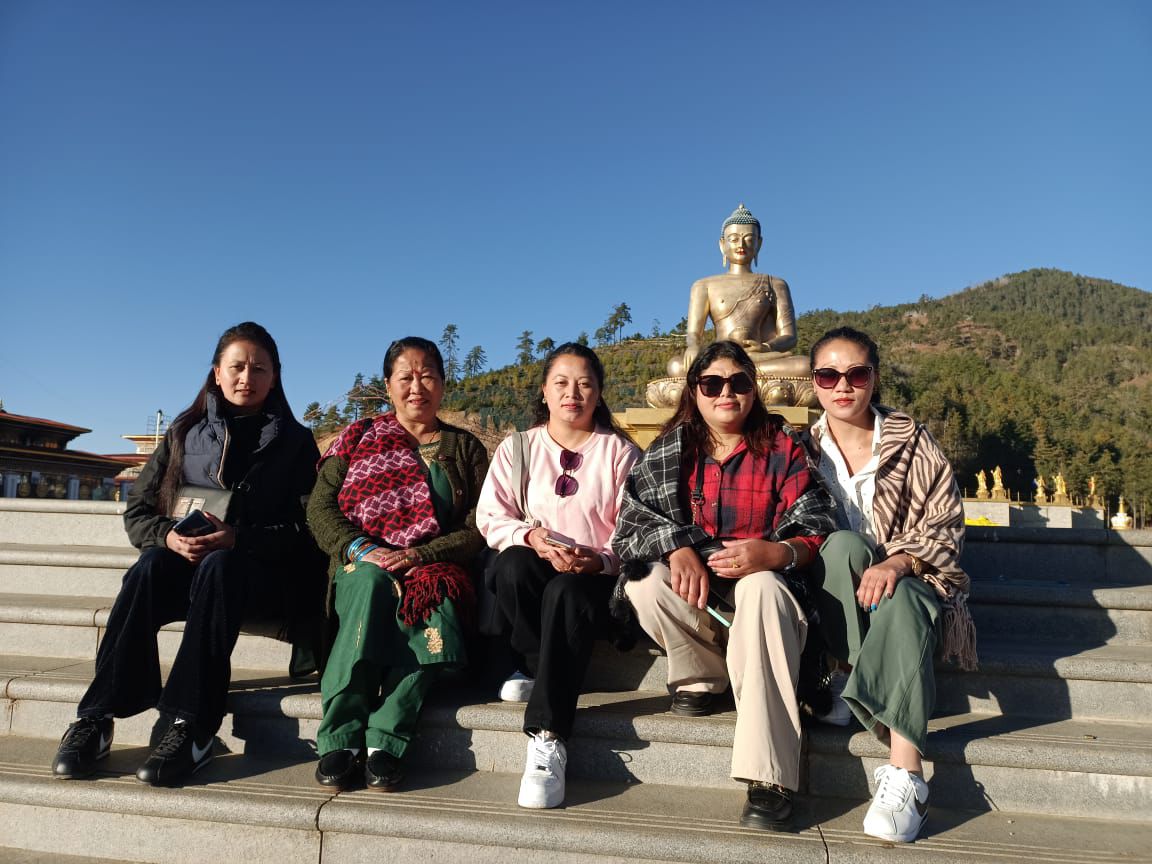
[(917, 510)]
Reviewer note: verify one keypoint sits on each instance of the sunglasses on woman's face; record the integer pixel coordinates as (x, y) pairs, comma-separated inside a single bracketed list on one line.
[(566, 484), (713, 385), (857, 376)]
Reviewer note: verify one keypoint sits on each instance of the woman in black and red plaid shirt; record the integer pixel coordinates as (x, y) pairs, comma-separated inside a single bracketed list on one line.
[(721, 517)]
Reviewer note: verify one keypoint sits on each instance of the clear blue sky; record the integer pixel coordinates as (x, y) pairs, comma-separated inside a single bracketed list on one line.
[(347, 173)]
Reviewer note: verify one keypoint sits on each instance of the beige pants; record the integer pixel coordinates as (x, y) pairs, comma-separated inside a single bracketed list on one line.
[(763, 664)]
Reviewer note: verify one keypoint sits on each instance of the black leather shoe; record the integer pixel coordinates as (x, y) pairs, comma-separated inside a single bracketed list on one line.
[(769, 808), (383, 772), (84, 744), (180, 754), (339, 769), (688, 704)]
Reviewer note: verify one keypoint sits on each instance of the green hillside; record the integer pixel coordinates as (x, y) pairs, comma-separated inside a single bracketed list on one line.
[(1037, 371)]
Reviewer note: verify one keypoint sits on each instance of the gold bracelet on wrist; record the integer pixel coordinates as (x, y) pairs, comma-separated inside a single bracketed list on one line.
[(917, 565)]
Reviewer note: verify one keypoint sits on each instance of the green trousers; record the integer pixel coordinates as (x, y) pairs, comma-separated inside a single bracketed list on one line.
[(374, 684), (893, 682)]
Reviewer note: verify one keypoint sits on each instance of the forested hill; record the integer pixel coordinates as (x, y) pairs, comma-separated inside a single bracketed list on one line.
[(1040, 371)]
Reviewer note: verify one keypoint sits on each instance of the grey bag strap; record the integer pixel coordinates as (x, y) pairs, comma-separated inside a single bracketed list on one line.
[(520, 450)]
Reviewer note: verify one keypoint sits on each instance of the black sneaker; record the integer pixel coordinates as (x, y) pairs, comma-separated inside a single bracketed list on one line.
[(85, 743), (177, 757), (769, 807)]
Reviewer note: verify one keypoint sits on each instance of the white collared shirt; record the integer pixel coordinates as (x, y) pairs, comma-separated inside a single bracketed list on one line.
[(853, 492)]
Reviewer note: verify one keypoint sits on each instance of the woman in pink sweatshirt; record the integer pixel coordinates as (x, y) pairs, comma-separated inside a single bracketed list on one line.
[(552, 523)]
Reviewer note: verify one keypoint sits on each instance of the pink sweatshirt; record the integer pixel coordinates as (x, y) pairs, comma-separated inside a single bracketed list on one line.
[(588, 517)]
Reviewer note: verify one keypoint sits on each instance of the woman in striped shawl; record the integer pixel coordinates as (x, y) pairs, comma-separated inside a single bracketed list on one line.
[(893, 591)]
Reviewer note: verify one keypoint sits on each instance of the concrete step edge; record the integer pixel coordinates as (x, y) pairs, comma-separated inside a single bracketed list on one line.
[(440, 811)]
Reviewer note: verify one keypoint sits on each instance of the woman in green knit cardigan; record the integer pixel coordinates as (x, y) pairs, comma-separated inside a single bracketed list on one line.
[(395, 509)]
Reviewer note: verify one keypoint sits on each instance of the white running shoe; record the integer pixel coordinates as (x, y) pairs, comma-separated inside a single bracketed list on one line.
[(518, 688), (898, 809), (542, 786), (839, 714)]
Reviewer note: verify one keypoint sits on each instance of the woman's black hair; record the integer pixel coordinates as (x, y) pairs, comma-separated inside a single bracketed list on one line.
[(412, 343), (859, 337), (760, 427), (247, 331), (601, 415)]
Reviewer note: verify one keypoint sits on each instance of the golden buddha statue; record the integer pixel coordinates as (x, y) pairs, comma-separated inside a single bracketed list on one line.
[(753, 309)]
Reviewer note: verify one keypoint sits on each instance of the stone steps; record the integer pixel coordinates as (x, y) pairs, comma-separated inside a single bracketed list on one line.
[(1056, 766), (71, 627), (1054, 723), (241, 808), (63, 570)]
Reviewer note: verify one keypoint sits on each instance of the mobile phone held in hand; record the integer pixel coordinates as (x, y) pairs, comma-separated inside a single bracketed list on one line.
[(195, 524), (559, 542)]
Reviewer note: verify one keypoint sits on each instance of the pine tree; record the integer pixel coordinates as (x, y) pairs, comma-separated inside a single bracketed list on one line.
[(474, 361), (524, 346), (449, 342)]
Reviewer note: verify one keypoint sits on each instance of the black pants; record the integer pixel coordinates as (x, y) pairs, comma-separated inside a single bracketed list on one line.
[(551, 620), (213, 598)]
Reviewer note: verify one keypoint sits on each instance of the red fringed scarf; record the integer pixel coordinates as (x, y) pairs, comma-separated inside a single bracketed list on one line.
[(386, 495)]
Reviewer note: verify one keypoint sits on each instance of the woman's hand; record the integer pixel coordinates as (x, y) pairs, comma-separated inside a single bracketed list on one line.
[(880, 580), (392, 560), (579, 559), (741, 557), (194, 549), (535, 539), (689, 576)]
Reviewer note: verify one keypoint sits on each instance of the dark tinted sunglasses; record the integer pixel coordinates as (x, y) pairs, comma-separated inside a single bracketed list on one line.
[(566, 484), (857, 376), (713, 385)]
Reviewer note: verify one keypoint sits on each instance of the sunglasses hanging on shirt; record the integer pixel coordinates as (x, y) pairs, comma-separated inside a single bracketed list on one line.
[(566, 484)]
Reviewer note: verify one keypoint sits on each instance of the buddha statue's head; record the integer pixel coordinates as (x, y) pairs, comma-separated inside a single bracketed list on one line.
[(740, 238)]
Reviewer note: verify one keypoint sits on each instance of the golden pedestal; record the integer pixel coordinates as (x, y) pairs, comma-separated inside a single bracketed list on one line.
[(644, 424)]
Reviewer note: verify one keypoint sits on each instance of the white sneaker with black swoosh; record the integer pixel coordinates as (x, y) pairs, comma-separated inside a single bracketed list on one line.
[(899, 806)]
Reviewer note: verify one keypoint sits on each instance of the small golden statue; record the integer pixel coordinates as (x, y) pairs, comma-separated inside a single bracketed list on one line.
[(753, 309), (1122, 521), (999, 493), (982, 485), (1060, 496), (1093, 498), (1041, 490)]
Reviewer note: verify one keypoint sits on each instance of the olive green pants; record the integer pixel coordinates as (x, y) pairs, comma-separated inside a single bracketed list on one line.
[(373, 686), (893, 682)]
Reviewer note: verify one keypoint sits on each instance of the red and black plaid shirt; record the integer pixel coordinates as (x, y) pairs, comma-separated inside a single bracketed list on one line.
[(746, 494)]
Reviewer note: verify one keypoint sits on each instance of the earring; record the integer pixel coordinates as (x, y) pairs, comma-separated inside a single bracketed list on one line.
[(543, 401)]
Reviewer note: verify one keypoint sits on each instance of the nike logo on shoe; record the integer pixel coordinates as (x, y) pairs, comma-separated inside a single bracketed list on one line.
[(198, 753)]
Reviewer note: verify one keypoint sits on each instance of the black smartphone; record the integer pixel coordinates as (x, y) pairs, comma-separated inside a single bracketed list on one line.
[(195, 524), (720, 607)]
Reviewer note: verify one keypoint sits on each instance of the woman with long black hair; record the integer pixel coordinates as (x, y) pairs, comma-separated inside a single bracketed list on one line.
[(253, 560)]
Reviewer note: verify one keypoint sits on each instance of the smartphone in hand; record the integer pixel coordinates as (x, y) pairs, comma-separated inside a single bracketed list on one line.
[(559, 542), (195, 524)]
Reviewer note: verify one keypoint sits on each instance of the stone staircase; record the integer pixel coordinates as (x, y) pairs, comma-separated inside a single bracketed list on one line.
[(1044, 754)]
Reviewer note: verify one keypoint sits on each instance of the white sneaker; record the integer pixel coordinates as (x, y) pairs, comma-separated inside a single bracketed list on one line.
[(518, 688), (839, 714), (899, 806), (542, 786)]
